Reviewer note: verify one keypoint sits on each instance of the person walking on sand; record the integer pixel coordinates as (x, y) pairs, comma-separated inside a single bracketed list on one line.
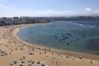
[(38, 64)]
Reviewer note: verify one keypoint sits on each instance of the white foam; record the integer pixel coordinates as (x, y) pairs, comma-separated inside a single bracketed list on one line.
[(82, 25)]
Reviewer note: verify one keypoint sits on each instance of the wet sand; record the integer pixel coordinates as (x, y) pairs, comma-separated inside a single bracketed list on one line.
[(16, 52)]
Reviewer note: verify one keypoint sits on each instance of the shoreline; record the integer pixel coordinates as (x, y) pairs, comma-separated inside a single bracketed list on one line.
[(59, 51), (13, 49)]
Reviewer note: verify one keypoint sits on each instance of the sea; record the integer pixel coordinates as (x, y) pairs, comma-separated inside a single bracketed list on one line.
[(77, 36)]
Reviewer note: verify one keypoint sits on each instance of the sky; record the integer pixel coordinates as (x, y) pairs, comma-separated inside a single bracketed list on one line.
[(35, 8)]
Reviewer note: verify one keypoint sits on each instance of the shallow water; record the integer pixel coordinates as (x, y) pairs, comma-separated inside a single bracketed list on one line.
[(80, 36)]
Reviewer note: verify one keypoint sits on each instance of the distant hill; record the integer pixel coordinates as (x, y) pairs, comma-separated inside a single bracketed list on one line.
[(77, 18)]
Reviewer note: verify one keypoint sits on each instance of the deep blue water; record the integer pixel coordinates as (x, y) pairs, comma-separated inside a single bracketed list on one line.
[(81, 36)]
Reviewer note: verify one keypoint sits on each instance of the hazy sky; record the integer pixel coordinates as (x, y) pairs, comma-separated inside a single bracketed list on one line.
[(48, 7)]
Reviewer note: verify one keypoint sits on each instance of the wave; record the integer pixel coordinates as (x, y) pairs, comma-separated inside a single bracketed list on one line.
[(83, 25)]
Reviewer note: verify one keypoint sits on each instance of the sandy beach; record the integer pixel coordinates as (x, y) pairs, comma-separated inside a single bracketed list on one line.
[(15, 52)]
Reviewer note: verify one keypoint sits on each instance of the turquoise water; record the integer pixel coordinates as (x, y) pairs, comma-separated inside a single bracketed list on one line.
[(80, 36)]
